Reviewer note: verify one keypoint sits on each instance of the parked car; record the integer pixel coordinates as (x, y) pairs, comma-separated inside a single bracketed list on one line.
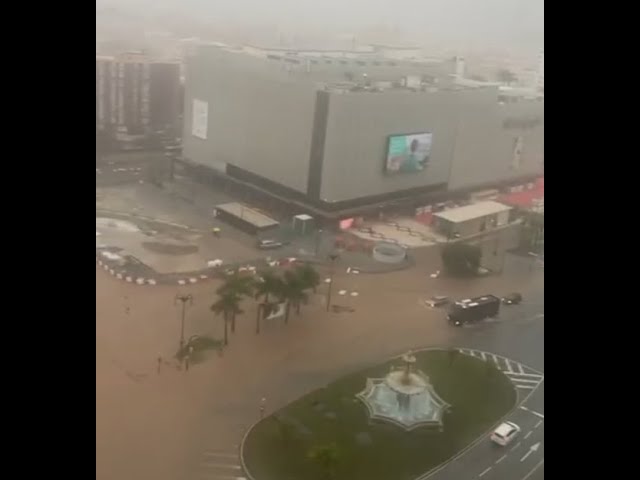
[(437, 301), (269, 244), (505, 433), (512, 299)]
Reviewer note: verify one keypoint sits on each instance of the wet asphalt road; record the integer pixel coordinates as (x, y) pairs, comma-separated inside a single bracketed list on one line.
[(518, 335)]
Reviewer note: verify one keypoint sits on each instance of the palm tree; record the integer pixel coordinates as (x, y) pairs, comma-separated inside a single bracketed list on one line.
[(293, 292), (327, 457), (227, 305), (240, 286), (309, 276), (268, 285)]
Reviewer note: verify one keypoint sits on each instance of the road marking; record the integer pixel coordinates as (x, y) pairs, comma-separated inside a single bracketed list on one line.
[(524, 380), (506, 360), (537, 414), (501, 458), (486, 470), (222, 477), (515, 446), (532, 449), (222, 466), (520, 368), (528, 434), (516, 374), (539, 464), (530, 387), (224, 455), (538, 424)]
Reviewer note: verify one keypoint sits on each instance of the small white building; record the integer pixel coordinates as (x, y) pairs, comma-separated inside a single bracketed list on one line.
[(471, 219)]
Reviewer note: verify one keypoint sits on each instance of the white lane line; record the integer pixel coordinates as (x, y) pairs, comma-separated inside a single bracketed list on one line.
[(501, 458), (482, 354), (533, 412), (532, 449), (486, 470), (520, 368), (530, 387), (524, 380), (538, 465), (223, 455), (515, 446), (538, 424), (221, 477), (528, 434), (224, 466)]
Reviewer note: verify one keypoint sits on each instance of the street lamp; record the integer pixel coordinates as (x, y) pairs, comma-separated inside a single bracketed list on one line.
[(333, 257), (183, 299), (318, 237)]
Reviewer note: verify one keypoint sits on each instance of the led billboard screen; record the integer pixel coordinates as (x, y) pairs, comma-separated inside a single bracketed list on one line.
[(408, 153)]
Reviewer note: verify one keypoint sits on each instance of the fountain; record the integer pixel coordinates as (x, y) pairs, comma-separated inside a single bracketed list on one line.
[(404, 397)]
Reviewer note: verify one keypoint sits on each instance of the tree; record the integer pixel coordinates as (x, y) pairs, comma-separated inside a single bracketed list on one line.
[(460, 259), (240, 286), (268, 285), (227, 305), (327, 457), (309, 276), (506, 76), (293, 292)]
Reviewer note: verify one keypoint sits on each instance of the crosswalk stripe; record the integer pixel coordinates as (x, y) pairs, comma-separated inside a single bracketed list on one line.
[(524, 380), (506, 361), (520, 368), (516, 374), (526, 387)]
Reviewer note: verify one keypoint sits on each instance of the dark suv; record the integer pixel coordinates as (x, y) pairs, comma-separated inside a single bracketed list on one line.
[(512, 299)]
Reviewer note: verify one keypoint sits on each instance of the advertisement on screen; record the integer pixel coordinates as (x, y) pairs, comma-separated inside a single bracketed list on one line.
[(409, 153)]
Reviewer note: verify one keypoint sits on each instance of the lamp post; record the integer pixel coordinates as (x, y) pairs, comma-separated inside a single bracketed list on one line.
[(183, 299), (333, 257), (318, 237)]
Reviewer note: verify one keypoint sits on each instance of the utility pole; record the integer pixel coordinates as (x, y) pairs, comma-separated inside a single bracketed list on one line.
[(183, 299), (333, 258), (318, 237)]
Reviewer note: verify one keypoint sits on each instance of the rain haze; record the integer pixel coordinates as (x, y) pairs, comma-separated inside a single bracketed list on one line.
[(319, 239)]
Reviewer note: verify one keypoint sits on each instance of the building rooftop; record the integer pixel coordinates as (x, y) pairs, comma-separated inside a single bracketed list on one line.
[(470, 212), (250, 215)]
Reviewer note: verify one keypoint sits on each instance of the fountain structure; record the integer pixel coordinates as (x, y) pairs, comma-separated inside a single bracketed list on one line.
[(404, 397)]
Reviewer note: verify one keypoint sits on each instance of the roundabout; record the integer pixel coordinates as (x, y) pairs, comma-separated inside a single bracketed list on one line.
[(433, 404)]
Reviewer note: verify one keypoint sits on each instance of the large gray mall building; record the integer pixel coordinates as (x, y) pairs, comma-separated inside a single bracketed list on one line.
[(296, 127)]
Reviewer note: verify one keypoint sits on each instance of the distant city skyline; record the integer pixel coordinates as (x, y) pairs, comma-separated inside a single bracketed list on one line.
[(512, 25)]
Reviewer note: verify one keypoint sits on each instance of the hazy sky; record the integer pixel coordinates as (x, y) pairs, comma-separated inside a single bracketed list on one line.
[(503, 21)]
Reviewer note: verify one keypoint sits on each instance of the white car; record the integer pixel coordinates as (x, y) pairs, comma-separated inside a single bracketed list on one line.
[(437, 301), (505, 433)]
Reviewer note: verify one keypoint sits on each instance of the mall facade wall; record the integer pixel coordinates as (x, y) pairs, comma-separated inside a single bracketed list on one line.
[(324, 143)]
